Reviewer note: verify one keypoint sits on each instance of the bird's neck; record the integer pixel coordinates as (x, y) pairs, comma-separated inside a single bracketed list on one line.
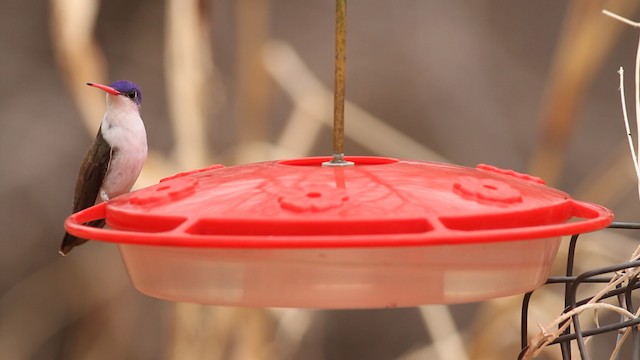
[(122, 124)]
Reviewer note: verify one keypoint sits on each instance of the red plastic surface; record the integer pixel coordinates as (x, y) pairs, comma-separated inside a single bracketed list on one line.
[(379, 202)]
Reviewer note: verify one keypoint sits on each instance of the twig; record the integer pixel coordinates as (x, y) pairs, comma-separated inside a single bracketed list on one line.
[(546, 336), (626, 124), (620, 18), (552, 331), (622, 339), (635, 151)]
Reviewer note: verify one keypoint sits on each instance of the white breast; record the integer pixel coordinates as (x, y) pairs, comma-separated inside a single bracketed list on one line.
[(124, 131)]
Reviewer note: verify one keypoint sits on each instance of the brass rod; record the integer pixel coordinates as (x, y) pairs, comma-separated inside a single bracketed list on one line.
[(340, 69), (339, 86)]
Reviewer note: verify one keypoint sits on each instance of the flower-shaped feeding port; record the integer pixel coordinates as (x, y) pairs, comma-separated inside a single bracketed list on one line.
[(382, 233), (314, 198), (488, 191)]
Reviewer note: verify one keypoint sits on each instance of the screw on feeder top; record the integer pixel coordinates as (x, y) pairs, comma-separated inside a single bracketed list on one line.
[(339, 89)]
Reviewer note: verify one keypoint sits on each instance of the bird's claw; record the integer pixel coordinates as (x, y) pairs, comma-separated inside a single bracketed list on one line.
[(104, 196)]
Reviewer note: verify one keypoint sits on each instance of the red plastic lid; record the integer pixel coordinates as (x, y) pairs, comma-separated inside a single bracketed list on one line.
[(379, 202)]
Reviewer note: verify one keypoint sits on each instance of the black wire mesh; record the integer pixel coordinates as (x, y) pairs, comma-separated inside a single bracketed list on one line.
[(571, 284)]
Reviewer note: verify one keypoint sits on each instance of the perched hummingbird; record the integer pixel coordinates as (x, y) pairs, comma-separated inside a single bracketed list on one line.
[(115, 159)]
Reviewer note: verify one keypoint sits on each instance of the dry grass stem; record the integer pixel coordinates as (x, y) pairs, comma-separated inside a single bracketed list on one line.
[(634, 157), (585, 41), (253, 86), (292, 326), (188, 71), (551, 331), (79, 55), (621, 18), (447, 341)]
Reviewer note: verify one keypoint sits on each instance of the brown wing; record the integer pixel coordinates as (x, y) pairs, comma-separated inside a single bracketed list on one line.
[(92, 172)]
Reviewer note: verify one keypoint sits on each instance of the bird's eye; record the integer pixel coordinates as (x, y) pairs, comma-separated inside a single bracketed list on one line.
[(132, 94)]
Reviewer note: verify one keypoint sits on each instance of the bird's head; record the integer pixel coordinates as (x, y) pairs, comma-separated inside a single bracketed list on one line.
[(122, 91)]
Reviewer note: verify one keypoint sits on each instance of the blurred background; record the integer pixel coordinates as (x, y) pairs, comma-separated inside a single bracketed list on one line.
[(531, 86)]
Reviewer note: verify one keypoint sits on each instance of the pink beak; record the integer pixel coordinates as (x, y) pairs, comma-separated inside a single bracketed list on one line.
[(106, 88)]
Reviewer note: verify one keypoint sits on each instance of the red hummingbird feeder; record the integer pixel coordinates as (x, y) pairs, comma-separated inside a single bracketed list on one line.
[(381, 233), (341, 232)]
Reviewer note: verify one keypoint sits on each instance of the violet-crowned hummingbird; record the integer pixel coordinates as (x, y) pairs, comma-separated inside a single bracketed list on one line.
[(114, 160)]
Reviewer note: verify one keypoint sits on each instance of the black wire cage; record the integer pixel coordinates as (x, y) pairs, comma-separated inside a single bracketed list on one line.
[(622, 294)]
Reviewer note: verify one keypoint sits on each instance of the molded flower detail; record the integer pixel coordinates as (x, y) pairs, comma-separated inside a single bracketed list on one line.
[(312, 197)]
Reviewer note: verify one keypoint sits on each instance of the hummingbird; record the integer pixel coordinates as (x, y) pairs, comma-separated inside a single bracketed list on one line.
[(113, 162)]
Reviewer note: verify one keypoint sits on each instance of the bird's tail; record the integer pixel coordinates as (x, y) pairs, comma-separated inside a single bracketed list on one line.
[(69, 241)]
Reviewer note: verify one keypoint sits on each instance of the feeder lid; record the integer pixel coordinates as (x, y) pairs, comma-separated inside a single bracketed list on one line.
[(379, 202)]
